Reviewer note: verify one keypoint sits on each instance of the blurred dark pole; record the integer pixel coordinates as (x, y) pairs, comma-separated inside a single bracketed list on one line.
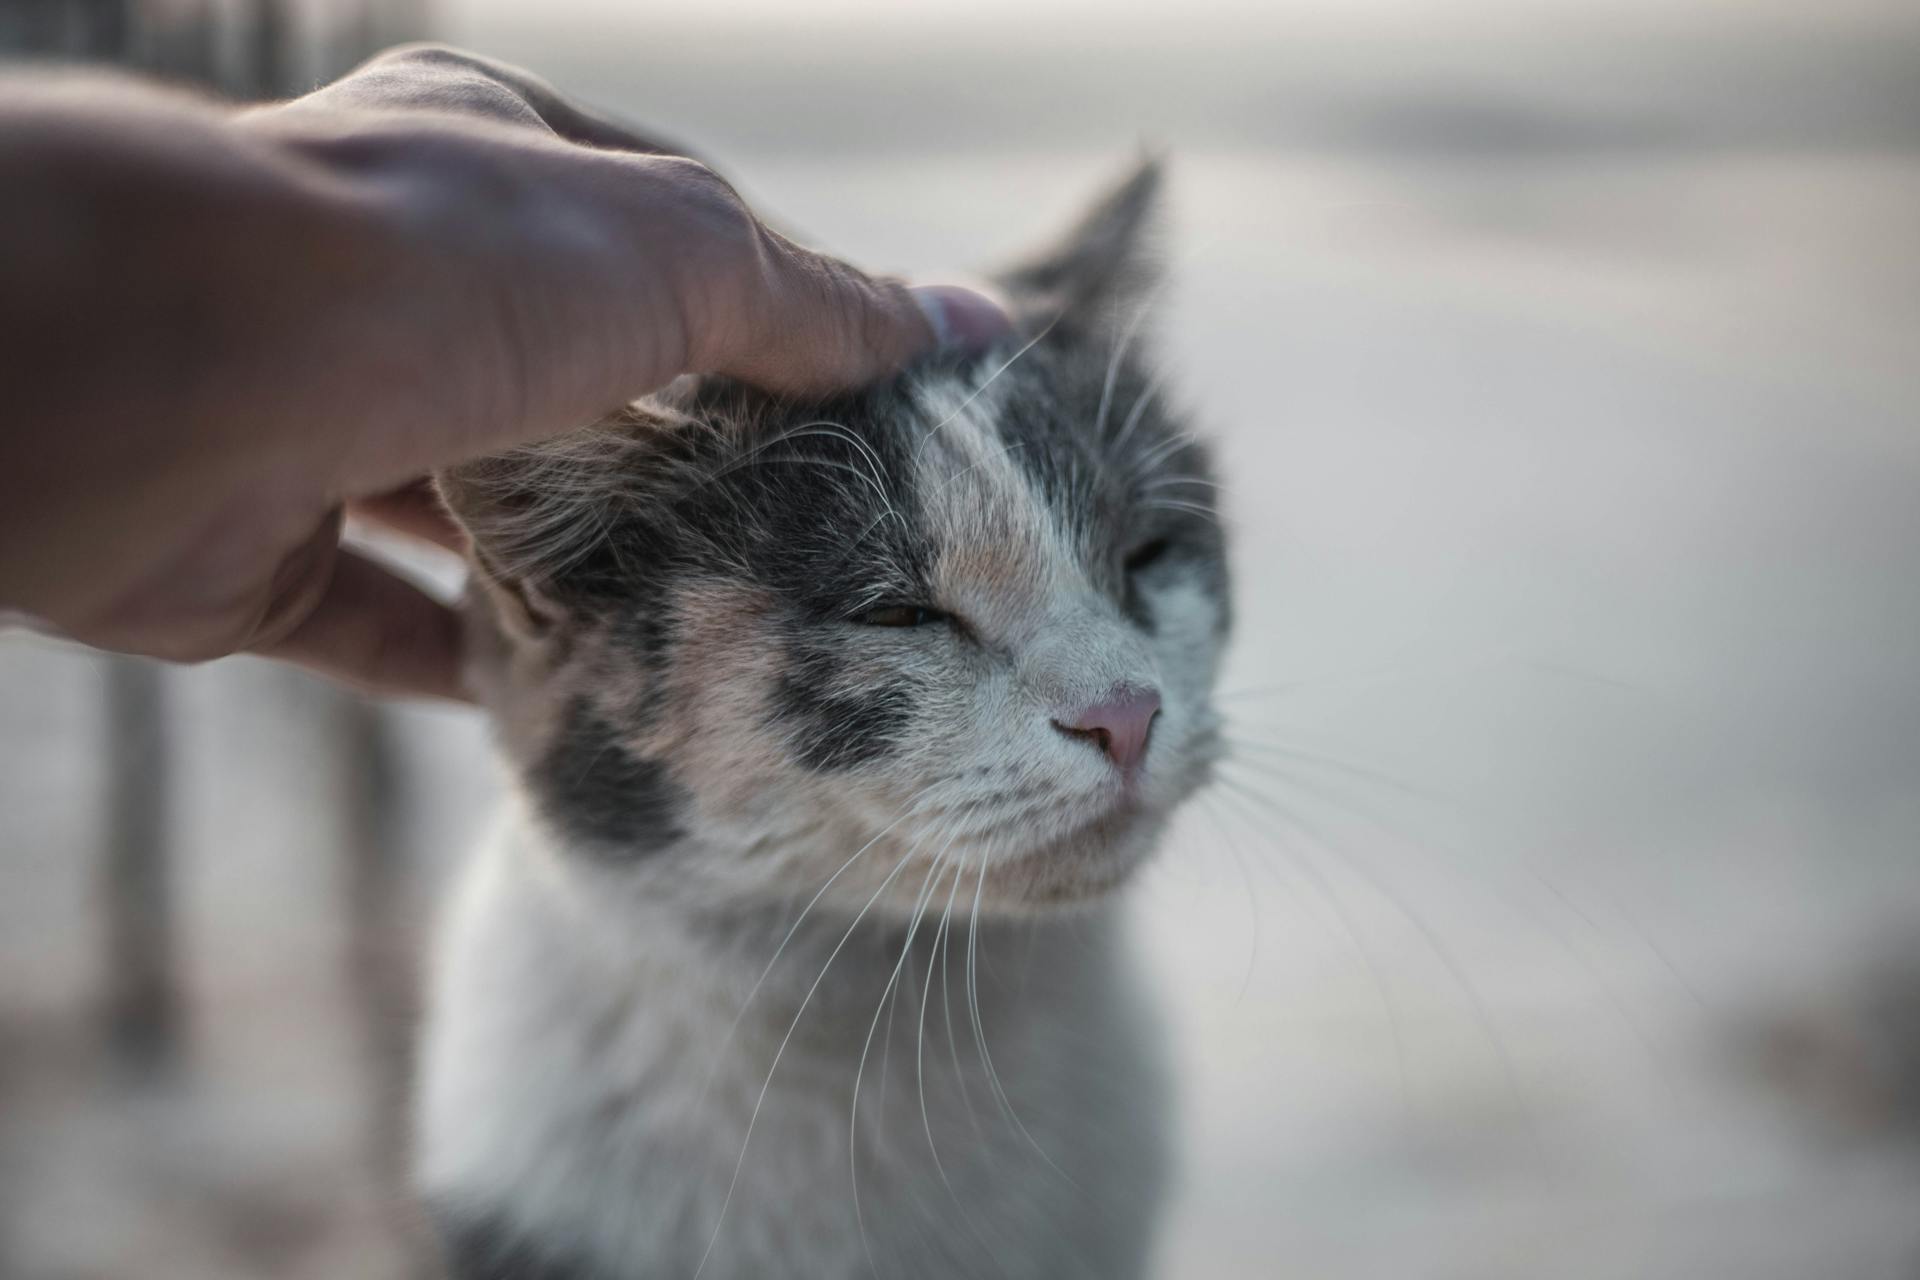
[(89, 30), (142, 989), (381, 975), (267, 72), (245, 49), (179, 40)]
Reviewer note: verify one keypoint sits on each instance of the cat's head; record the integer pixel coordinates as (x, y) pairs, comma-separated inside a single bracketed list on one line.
[(968, 619)]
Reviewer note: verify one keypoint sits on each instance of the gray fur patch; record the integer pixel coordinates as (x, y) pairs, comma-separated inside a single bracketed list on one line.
[(835, 727), (591, 786), (481, 1246)]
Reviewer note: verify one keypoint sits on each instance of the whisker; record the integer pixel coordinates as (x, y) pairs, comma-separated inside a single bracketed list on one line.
[(760, 1101), (831, 464), (800, 431), (980, 1034), (1363, 772), (1613, 996), (886, 1054), (1253, 904), (969, 470), (1561, 939), (1633, 927), (1119, 354), (1140, 403), (919, 1067), (1482, 1014), (1167, 482), (1659, 953), (953, 1041), (853, 1122), (1188, 508), (1143, 465), (1323, 888), (993, 377), (734, 1028)]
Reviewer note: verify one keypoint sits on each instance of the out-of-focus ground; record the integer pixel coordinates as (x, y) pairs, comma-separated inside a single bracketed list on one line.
[(1566, 364)]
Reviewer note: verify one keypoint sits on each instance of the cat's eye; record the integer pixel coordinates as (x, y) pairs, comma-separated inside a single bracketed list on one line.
[(900, 615), (1144, 555)]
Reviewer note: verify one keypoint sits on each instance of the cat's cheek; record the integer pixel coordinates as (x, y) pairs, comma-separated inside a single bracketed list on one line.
[(597, 790), (1187, 640), (835, 716)]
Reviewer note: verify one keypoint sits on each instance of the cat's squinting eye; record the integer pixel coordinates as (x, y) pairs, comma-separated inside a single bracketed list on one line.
[(1143, 555), (900, 615)]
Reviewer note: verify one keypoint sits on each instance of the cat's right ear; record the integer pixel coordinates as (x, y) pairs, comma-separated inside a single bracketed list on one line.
[(1099, 275), (536, 514)]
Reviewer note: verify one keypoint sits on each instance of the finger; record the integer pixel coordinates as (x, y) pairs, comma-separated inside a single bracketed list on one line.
[(435, 76), (805, 323), (377, 632), (569, 119), (415, 510)]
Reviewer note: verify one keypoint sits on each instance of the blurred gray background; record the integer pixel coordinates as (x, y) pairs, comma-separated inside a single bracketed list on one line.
[(1558, 915)]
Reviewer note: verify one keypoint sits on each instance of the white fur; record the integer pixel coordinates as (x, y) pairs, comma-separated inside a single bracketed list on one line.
[(582, 1072)]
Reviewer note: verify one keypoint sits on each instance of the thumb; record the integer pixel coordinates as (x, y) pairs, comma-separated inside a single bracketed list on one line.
[(808, 324), (348, 617), (370, 628)]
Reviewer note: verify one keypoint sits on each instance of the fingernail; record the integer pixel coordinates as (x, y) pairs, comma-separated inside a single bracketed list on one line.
[(962, 319)]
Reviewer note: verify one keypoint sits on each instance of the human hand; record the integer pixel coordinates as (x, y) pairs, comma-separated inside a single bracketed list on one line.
[(305, 308)]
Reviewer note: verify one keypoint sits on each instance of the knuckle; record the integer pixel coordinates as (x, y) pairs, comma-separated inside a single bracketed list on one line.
[(723, 259), (862, 309), (426, 53), (707, 199), (435, 75), (881, 334)]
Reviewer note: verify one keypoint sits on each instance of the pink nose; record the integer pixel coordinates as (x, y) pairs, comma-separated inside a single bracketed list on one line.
[(1118, 724)]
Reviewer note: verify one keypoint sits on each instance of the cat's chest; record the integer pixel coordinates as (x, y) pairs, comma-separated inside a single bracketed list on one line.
[(920, 1113)]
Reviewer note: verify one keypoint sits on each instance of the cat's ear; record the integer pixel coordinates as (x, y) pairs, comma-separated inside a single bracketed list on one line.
[(1102, 272), (538, 515), (487, 503)]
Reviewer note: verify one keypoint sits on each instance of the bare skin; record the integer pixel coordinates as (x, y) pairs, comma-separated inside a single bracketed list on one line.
[(222, 330)]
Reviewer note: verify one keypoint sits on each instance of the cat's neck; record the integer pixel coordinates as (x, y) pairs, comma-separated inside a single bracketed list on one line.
[(764, 961), (559, 941)]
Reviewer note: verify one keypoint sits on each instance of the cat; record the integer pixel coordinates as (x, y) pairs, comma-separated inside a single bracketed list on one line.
[(836, 728)]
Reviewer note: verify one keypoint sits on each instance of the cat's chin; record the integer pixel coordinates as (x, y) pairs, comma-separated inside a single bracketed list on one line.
[(1094, 859), (1080, 866)]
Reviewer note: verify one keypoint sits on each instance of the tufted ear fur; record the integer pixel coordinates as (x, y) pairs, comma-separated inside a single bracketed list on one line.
[(1095, 279), (539, 513)]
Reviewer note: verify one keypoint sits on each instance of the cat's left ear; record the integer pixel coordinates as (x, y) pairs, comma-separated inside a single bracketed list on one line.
[(537, 515), (1098, 277)]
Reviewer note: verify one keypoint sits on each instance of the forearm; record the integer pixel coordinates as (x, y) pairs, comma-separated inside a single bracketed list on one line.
[(173, 291)]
